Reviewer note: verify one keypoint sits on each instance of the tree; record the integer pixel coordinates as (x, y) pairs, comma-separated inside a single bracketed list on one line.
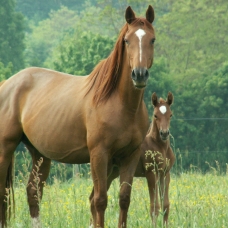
[(200, 119), (80, 53), (11, 35), (193, 36), (47, 35), (5, 71), (39, 10)]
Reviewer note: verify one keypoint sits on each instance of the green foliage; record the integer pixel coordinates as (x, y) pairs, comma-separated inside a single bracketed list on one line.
[(47, 35), (203, 108), (38, 10), (5, 72), (193, 36), (11, 35), (81, 52)]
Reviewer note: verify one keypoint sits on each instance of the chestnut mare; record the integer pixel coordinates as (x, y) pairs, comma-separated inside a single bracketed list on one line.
[(156, 159), (100, 118)]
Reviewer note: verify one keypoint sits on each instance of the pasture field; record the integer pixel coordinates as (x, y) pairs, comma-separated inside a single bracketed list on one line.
[(197, 201)]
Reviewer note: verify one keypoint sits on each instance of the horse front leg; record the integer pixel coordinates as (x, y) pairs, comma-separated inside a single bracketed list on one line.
[(127, 171), (164, 196), (99, 199), (114, 173), (152, 182)]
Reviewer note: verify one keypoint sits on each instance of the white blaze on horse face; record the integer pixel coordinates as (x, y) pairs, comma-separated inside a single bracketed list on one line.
[(162, 109), (140, 33)]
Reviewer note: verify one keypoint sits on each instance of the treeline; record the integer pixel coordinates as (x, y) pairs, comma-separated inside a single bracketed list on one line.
[(190, 59)]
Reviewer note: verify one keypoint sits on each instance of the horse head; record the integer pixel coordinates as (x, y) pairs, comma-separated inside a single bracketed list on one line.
[(162, 114), (139, 41)]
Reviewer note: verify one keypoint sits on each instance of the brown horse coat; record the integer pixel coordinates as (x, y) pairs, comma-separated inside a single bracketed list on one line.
[(100, 118), (156, 159)]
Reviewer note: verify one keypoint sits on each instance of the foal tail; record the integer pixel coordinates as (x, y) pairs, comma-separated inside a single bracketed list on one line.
[(9, 200)]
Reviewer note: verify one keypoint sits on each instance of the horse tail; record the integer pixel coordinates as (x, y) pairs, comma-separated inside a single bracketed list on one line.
[(9, 202)]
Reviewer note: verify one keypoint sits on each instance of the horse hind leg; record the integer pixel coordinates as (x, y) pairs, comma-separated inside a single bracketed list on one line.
[(39, 174), (7, 148)]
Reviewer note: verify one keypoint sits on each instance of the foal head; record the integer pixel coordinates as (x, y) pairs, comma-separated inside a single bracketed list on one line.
[(162, 114), (139, 43)]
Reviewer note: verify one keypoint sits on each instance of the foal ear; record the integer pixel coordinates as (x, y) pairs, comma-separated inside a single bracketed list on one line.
[(150, 14), (129, 15), (154, 99), (170, 98)]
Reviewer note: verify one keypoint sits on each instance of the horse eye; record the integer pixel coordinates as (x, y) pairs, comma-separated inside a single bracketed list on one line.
[(155, 117), (153, 40), (171, 115), (126, 41)]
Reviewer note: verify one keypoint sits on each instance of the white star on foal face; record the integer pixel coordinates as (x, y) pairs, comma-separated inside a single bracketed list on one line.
[(163, 109)]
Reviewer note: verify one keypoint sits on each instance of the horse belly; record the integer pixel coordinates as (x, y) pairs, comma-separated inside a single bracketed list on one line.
[(58, 136), (72, 151)]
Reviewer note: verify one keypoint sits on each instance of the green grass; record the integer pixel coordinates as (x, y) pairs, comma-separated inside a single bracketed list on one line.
[(197, 201)]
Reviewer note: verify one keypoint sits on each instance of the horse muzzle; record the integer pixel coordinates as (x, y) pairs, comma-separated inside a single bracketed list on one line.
[(139, 77), (164, 135)]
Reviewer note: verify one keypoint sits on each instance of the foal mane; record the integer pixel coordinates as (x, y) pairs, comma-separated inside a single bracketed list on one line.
[(105, 76), (161, 100)]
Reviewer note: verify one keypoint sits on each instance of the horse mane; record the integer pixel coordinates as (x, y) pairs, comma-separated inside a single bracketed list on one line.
[(105, 76), (161, 100)]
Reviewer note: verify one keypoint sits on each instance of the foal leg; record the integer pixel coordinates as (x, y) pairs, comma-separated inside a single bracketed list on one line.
[(40, 171), (127, 171), (151, 177), (164, 193)]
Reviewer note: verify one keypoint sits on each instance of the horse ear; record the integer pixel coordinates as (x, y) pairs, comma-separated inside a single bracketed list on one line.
[(150, 14), (170, 98), (154, 99), (129, 15)]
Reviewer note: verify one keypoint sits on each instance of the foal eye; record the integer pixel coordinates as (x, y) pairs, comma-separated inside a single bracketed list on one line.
[(153, 40)]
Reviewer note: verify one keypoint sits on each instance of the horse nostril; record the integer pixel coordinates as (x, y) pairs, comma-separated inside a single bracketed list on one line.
[(164, 134), (146, 74), (134, 75), (140, 74)]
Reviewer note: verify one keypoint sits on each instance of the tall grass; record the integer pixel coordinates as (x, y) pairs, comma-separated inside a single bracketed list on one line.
[(197, 201)]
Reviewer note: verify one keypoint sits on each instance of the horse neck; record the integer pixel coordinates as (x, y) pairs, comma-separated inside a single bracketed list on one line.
[(130, 96)]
